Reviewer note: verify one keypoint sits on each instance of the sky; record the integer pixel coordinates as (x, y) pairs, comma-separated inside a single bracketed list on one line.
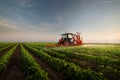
[(45, 20)]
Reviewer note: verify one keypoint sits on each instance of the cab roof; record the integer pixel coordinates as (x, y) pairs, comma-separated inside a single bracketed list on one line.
[(67, 34)]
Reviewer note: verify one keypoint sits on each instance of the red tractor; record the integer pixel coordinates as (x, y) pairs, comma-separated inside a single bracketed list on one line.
[(70, 39)]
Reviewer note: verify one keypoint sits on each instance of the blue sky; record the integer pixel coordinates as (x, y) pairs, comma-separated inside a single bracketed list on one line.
[(45, 20)]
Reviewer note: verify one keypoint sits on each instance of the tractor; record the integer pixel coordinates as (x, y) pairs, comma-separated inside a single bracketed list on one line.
[(70, 39)]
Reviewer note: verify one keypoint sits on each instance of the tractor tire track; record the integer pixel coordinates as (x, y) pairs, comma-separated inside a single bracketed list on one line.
[(53, 75), (13, 70)]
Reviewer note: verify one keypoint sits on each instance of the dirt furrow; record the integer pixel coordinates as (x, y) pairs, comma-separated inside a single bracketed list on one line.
[(51, 73), (13, 69)]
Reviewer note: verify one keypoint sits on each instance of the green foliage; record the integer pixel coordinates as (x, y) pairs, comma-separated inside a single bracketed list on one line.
[(5, 58), (96, 59), (55, 54), (69, 70), (5, 46), (105, 57), (39, 45), (32, 70)]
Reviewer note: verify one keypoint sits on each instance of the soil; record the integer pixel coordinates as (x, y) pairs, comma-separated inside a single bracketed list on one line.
[(13, 70), (53, 75)]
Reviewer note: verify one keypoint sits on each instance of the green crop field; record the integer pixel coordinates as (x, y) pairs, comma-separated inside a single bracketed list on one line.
[(35, 61)]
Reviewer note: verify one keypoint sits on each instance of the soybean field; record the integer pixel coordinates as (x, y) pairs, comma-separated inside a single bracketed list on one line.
[(35, 61)]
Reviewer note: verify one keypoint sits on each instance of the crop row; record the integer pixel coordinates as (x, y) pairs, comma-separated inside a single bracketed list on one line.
[(99, 60), (69, 70), (112, 52), (96, 59), (3, 44), (106, 70), (101, 66), (5, 58), (32, 70), (4, 47), (105, 64)]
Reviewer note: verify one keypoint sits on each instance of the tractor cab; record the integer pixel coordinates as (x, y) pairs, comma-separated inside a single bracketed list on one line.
[(70, 39), (66, 38)]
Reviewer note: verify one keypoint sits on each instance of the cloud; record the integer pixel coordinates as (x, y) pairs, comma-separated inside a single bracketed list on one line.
[(60, 19), (104, 1), (10, 26), (24, 3), (7, 23), (47, 27)]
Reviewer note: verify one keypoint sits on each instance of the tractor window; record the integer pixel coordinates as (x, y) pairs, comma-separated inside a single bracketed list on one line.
[(69, 36), (64, 36)]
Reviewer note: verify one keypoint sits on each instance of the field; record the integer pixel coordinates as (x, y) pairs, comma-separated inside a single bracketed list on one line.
[(35, 61)]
